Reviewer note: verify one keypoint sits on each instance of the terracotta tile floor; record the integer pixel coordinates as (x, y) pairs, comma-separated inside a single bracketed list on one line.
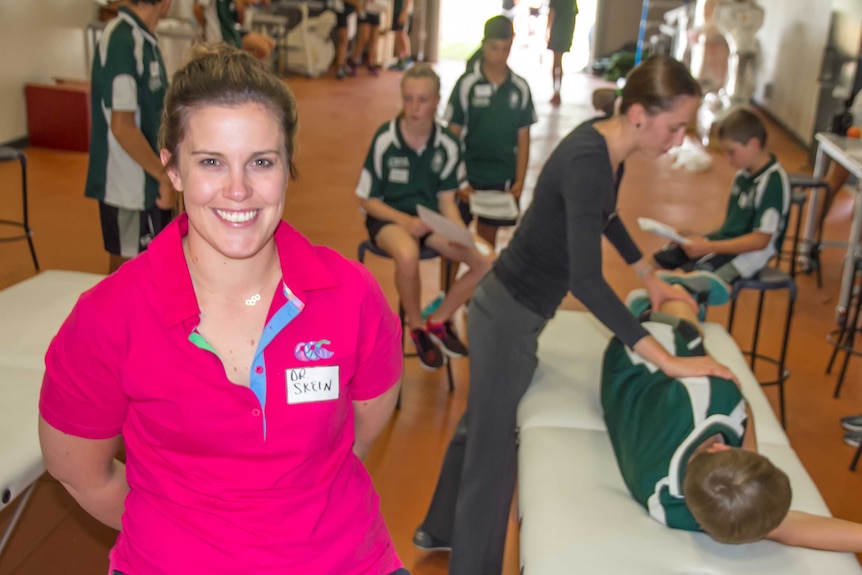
[(337, 121)]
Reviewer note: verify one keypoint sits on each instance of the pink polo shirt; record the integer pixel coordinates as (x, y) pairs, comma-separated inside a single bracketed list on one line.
[(224, 478)]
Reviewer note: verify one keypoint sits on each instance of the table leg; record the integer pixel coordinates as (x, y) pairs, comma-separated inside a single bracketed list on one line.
[(807, 240), (850, 256)]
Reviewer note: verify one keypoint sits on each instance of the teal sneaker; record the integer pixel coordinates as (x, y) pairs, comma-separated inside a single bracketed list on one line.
[(706, 287), (433, 306), (638, 302)]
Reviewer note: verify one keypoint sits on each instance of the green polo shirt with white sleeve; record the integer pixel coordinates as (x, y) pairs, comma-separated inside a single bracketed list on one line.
[(404, 178), (656, 422), (129, 76), (758, 202), (490, 117)]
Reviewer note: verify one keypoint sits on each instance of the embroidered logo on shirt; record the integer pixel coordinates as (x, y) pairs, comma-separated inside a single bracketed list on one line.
[(312, 350), (437, 161), (514, 100)]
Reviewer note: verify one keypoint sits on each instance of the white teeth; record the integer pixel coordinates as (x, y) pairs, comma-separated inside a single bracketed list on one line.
[(236, 217)]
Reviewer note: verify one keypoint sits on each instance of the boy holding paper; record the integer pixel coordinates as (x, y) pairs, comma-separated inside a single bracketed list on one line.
[(756, 217), (491, 110), (413, 161)]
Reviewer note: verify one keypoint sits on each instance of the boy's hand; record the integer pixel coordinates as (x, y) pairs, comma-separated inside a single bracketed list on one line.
[(465, 193), (516, 191), (697, 247), (417, 227)]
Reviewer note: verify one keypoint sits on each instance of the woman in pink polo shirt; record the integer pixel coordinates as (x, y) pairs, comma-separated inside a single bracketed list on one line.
[(246, 370)]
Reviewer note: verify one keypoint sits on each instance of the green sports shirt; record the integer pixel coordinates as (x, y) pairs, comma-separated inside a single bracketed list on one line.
[(490, 117), (758, 202), (404, 178), (129, 76), (655, 422)]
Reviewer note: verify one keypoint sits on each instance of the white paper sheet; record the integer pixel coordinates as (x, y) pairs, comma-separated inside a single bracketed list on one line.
[(663, 230), (493, 204), (439, 224)]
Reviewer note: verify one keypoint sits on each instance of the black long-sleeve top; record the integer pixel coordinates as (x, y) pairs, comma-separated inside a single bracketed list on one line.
[(557, 247)]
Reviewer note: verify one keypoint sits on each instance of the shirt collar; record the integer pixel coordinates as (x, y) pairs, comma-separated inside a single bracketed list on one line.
[(401, 143), (477, 69), (302, 268), (129, 16), (762, 170)]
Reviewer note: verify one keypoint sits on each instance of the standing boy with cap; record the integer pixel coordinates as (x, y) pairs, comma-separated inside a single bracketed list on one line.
[(491, 110)]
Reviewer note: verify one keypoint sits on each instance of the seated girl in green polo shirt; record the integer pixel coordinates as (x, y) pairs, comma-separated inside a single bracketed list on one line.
[(414, 161), (686, 447)]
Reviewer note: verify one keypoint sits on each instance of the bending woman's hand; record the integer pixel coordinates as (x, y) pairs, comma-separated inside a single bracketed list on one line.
[(677, 367), (660, 292)]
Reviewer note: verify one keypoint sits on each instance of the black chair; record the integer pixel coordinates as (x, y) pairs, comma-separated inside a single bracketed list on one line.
[(8, 154), (844, 338), (773, 279), (425, 253), (800, 183)]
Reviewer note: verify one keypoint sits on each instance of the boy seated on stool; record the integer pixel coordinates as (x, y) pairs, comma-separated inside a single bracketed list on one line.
[(414, 161), (686, 447), (756, 219)]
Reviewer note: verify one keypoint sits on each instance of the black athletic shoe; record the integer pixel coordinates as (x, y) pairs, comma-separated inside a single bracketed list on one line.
[(427, 542), (851, 438), (852, 423), (430, 356), (443, 335)]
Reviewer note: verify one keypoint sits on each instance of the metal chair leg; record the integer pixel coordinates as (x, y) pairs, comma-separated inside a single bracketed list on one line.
[(19, 511)]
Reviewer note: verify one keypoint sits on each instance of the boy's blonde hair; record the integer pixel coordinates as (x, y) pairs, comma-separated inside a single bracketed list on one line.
[(740, 126), (419, 71), (736, 496)]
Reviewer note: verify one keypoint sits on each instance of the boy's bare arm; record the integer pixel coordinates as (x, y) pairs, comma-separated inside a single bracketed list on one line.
[(752, 242), (749, 441), (521, 162), (801, 529)]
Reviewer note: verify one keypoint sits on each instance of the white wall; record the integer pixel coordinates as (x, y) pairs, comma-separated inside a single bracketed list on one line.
[(792, 41), (39, 39)]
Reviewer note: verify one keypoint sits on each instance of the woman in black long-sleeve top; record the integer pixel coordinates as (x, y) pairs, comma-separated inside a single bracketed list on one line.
[(557, 249)]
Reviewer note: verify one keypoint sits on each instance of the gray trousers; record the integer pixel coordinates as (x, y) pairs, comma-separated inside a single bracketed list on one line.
[(471, 502)]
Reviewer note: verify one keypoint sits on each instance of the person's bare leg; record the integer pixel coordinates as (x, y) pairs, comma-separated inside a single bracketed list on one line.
[(341, 48), (461, 290), (488, 233), (404, 251), (361, 41), (557, 77), (373, 36), (680, 309)]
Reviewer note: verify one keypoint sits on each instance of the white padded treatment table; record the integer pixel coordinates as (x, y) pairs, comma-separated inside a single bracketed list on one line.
[(577, 515), (31, 312)]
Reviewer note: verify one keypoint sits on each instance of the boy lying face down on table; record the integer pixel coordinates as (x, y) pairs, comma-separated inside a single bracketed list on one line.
[(686, 447)]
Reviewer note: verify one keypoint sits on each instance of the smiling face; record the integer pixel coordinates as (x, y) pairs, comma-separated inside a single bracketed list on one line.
[(419, 100), (663, 130), (233, 171)]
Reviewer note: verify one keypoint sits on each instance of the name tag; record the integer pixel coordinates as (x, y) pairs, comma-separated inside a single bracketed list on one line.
[(311, 384), (481, 102), (484, 90), (399, 175)]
